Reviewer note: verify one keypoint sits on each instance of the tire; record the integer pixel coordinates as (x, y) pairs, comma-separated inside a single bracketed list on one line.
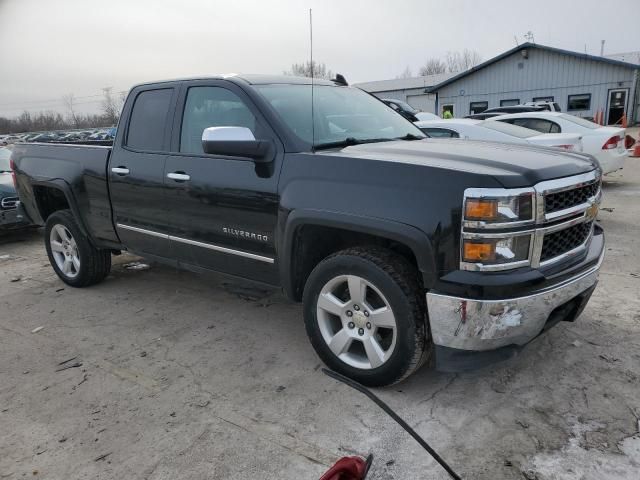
[(389, 324), (74, 259)]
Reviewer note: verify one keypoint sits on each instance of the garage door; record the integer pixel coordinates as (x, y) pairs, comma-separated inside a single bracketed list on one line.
[(424, 102)]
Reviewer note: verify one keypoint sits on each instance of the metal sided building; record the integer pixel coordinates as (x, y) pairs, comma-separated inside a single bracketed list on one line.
[(581, 84), (410, 90)]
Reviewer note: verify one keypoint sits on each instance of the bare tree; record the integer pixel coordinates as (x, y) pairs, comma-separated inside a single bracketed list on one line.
[(69, 102), (461, 61), (306, 69), (406, 73), (110, 107), (432, 67)]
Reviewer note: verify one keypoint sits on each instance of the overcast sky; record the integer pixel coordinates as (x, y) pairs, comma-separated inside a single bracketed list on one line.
[(51, 48)]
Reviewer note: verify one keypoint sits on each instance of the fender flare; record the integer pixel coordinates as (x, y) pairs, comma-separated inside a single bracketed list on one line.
[(67, 191), (416, 240)]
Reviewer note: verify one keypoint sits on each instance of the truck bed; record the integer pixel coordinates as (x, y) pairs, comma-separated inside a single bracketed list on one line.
[(80, 171)]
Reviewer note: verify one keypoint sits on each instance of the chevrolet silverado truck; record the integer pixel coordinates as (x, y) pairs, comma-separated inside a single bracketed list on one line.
[(401, 248)]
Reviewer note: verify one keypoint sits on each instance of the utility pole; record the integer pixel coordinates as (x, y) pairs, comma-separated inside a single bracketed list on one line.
[(602, 48)]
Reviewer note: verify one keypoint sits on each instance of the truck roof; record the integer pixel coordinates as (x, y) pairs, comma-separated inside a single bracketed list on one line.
[(250, 78)]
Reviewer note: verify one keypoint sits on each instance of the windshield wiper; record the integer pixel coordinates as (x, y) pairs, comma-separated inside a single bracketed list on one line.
[(350, 141), (410, 136)]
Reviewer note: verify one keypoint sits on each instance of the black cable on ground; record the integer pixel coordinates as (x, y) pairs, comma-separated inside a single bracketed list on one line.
[(394, 415)]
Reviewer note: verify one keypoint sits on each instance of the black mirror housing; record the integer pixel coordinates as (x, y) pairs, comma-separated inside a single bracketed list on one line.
[(260, 151)]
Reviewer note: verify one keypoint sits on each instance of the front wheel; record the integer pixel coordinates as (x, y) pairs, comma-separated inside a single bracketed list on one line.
[(74, 259), (365, 315)]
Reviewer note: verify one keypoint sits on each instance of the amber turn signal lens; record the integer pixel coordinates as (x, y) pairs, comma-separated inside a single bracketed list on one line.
[(479, 252), (477, 209)]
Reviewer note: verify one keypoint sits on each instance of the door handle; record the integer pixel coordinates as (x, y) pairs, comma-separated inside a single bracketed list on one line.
[(120, 170), (178, 176)]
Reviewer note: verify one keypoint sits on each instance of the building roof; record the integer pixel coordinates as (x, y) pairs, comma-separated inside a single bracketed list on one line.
[(629, 57), (403, 83), (529, 45)]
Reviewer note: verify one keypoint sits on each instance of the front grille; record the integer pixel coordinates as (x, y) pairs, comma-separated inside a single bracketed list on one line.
[(562, 241), (9, 203), (555, 202)]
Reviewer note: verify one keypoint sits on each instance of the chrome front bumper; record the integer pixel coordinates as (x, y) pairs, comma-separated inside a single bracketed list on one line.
[(480, 325)]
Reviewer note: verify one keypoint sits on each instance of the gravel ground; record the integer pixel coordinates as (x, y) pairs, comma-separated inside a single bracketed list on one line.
[(178, 376)]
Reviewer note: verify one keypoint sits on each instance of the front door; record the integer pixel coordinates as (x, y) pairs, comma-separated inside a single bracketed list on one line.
[(617, 105), (136, 173), (223, 210)]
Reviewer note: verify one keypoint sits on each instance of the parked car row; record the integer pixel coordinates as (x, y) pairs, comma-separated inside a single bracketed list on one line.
[(9, 216), (498, 132), (87, 135), (606, 144)]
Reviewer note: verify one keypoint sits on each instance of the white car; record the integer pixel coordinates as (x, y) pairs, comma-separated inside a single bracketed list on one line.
[(498, 132), (551, 106), (604, 143), (424, 116)]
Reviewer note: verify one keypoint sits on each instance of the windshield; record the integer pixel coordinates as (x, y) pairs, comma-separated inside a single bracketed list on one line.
[(405, 106), (340, 113), (509, 129), (5, 154), (579, 121)]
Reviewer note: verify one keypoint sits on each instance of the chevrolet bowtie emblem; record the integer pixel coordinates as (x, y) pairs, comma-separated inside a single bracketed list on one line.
[(592, 211)]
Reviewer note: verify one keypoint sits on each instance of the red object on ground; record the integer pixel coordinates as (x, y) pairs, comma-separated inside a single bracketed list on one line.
[(636, 150), (347, 468)]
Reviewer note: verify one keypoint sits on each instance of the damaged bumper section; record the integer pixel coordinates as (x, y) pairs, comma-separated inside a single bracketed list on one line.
[(471, 333)]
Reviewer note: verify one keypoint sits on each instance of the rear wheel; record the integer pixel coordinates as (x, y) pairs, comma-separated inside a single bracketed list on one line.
[(365, 315), (76, 261)]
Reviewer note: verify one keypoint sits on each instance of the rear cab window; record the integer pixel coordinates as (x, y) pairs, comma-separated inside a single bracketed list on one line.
[(148, 120)]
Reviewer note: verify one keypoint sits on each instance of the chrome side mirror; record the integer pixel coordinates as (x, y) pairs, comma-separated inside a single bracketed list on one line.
[(236, 142)]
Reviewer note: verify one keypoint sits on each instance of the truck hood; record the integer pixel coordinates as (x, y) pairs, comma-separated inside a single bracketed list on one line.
[(512, 165)]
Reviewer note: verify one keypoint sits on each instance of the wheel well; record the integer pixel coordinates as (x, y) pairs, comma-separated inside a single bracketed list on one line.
[(49, 200), (313, 243)]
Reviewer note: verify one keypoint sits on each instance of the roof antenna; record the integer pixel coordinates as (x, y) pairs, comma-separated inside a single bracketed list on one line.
[(340, 80), (313, 120)]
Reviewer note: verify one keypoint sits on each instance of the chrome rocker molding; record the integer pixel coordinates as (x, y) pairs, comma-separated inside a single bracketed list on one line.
[(210, 246), (478, 325)]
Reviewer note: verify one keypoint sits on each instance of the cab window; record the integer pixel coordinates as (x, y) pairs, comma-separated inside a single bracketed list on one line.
[(212, 107), (148, 120)]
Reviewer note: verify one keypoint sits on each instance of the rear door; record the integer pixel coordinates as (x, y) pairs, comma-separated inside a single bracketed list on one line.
[(223, 210), (136, 171)]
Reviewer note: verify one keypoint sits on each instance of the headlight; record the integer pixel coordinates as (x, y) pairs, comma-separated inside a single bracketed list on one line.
[(496, 207), (487, 210), (496, 250)]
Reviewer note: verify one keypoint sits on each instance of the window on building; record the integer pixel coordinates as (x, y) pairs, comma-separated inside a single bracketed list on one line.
[(212, 107), (448, 108), (510, 102), (543, 99), (440, 132), (579, 102), (478, 107), (149, 119)]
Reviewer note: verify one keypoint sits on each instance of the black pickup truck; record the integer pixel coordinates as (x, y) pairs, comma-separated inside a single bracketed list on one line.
[(401, 248)]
